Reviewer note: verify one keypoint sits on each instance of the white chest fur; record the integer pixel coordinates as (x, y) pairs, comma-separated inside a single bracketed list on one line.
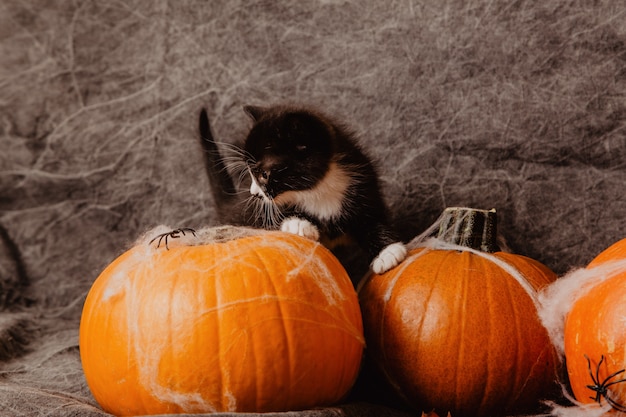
[(323, 201)]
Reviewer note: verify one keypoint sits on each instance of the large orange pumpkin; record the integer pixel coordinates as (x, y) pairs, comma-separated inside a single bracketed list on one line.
[(595, 333), (454, 328), (261, 322)]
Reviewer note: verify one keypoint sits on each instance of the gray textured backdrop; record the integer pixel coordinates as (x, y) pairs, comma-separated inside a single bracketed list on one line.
[(517, 105)]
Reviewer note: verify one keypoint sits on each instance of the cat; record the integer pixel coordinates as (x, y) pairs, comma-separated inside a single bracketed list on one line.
[(308, 176)]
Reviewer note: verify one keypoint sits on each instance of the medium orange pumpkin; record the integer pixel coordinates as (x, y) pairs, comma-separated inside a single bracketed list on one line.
[(453, 330), (255, 323), (595, 333)]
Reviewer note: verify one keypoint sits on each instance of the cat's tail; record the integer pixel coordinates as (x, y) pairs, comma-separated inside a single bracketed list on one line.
[(222, 185)]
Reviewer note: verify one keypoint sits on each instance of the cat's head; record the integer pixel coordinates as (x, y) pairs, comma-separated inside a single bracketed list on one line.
[(289, 149)]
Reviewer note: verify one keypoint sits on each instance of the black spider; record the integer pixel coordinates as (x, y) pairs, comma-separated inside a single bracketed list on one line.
[(174, 234), (602, 388)]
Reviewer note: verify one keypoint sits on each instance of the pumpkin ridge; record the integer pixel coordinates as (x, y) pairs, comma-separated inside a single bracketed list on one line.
[(382, 362), (490, 341), (520, 343), (255, 344), (431, 290), (282, 319), (462, 319), (223, 376), (228, 400)]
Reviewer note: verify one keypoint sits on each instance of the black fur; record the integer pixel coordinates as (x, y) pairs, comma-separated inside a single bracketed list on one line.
[(290, 150), (222, 186)]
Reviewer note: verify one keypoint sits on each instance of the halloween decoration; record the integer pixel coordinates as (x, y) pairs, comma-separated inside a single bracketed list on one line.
[(595, 333), (224, 319), (455, 328)]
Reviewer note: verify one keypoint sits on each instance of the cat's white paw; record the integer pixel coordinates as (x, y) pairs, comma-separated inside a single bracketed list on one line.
[(300, 227), (389, 257)]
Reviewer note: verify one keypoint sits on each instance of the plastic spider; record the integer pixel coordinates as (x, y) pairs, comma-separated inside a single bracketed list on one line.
[(174, 234), (602, 388)]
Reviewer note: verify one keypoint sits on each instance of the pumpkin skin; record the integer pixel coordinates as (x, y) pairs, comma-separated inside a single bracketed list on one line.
[(454, 332), (595, 327), (256, 324)]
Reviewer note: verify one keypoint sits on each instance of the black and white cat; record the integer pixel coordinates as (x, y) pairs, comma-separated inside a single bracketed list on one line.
[(307, 176)]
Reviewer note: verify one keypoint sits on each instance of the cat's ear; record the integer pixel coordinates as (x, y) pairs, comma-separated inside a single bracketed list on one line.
[(254, 112)]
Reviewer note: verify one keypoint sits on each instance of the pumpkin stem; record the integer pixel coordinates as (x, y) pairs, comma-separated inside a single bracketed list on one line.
[(469, 227)]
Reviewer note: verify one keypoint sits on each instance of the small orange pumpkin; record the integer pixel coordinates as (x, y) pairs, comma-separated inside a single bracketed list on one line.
[(595, 333), (254, 322), (456, 329)]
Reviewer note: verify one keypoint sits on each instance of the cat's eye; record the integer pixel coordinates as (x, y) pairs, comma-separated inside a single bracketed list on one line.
[(265, 175)]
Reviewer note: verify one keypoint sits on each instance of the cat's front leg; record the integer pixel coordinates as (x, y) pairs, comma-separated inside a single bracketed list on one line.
[(389, 257), (301, 227), (383, 245)]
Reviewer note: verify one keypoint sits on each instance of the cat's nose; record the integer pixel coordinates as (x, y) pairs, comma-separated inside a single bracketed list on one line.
[(256, 190)]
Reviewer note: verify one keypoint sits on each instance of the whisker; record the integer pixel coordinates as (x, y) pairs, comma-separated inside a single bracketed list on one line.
[(269, 215), (277, 215), (234, 149), (255, 208), (268, 221), (236, 158), (237, 169), (243, 175), (239, 192), (235, 165), (263, 212), (227, 167)]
